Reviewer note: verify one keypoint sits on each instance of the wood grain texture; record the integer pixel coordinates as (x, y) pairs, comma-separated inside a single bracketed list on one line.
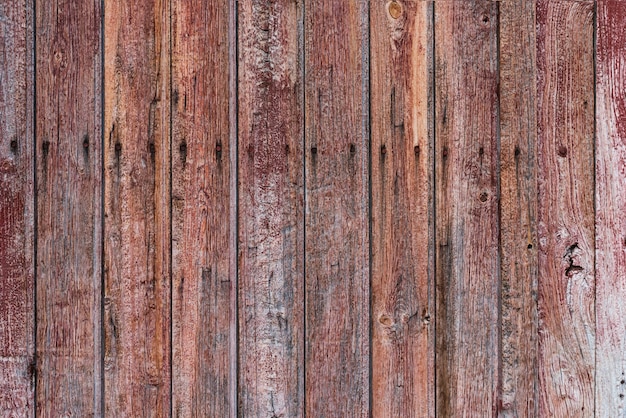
[(468, 280), (518, 208), (271, 192), (17, 309), (69, 215), (402, 209), (137, 208), (336, 208), (610, 148), (203, 281), (565, 126)]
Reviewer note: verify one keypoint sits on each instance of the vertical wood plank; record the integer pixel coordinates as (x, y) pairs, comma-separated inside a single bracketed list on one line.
[(203, 281), (565, 118), (610, 203), (402, 211), (69, 218), (466, 83), (518, 208), (336, 208), (17, 309), (271, 228), (137, 208)]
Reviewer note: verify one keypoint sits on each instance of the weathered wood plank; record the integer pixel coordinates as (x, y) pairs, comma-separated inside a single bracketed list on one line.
[(203, 281), (402, 209), (69, 215), (271, 228), (466, 84), (17, 309), (518, 208), (610, 203), (565, 221), (336, 208), (137, 208)]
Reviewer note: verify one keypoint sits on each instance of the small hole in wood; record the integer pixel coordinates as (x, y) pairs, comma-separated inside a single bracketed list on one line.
[(517, 151), (530, 246), (483, 197), (416, 150), (352, 148), (562, 151), (313, 150), (383, 149), (14, 144)]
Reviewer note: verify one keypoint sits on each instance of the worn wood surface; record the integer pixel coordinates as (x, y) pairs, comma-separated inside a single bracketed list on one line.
[(325, 208), (69, 215), (610, 151), (466, 83), (336, 208), (271, 199), (203, 280), (137, 208), (17, 348), (518, 209), (402, 186), (565, 126)]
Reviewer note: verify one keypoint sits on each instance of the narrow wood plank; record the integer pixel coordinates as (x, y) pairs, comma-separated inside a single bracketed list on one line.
[(69, 216), (203, 281), (565, 129), (336, 208), (518, 208), (271, 227), (17, 308), (466, 83), (402, 209), (610, 148), (137, 208)]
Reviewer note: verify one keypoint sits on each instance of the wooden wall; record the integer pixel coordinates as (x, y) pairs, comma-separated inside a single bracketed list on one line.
[(286, 208)]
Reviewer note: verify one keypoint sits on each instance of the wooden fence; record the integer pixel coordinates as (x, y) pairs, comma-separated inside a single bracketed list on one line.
[(279, 208)]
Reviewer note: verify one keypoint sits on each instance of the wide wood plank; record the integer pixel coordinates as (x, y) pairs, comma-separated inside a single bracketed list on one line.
[(336, 208), (271, 227), (467, 185), (17, 308), (203, 281), (610, 208), (518, 208), (69, 218), (402, 209), (137, 208), (565, 126)]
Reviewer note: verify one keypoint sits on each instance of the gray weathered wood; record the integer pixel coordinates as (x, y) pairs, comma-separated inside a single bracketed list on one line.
[(610, 151), (69, 210), (518, 208), (467, 185), (271, 230), (336, 208)]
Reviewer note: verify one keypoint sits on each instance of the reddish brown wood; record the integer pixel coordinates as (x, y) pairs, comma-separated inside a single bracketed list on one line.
[(137, 209), (271, 233), (610, 151), (402, 209), (566, 209), (17, 314), (518, 208), (69, 216), (336, 217), (203, 281), (466, 71)]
